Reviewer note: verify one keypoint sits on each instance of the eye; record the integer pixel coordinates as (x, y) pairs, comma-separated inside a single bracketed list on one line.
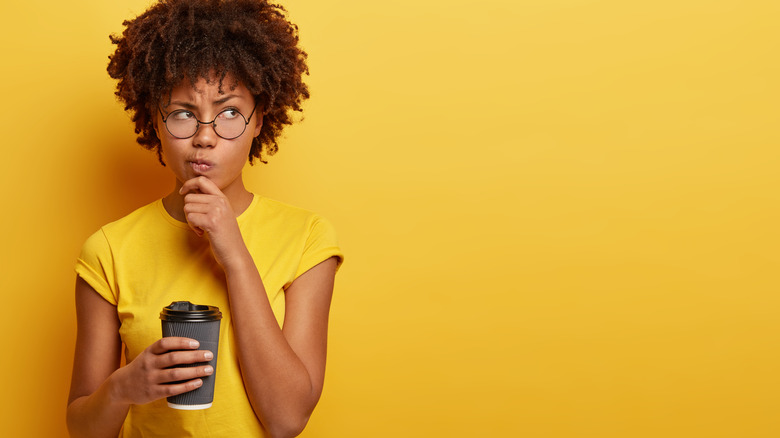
[(229, 114), (181, 115)]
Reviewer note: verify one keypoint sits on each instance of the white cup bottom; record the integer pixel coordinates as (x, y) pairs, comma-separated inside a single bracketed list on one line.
[(189, 407)]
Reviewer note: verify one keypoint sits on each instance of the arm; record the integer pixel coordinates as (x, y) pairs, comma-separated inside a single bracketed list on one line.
[(101, 393), (98, 352), (283, 369)]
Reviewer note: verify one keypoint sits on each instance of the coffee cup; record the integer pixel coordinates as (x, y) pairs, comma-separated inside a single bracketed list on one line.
[(199, 322)]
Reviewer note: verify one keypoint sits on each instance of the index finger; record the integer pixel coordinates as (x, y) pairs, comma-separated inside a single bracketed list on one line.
[(201, 184), (167, 344)]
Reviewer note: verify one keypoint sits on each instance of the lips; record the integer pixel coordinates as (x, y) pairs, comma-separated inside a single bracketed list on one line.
[(200, 166)]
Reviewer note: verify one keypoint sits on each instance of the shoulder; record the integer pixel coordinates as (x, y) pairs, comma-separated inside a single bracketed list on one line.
[(316, 236), (126, 226), (292, 227), (278, 208), (149, 212), (267, 212)]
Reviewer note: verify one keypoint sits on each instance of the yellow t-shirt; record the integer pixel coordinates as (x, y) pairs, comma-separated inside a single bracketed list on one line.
[(146, 260)]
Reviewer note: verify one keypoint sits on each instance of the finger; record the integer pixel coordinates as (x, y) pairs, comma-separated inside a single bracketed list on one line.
[(179, 388), (188, 188), (219, 206), (191, 186), (202, 184), (197, 198), (176, 358), (180, 374), (197, 208), (190, 213), (198, 222), (167, 344)]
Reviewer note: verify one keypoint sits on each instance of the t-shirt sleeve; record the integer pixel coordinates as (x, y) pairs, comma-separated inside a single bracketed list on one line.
[(321, 244), (96, 266)]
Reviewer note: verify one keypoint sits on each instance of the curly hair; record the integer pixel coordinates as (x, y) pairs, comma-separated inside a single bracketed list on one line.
[(177, 40)]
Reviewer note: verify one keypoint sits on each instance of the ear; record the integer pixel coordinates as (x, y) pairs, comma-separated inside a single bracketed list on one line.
[(259, 122)]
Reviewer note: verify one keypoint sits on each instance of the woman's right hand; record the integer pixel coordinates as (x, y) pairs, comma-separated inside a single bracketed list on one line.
[(150, 375), (101, 390)]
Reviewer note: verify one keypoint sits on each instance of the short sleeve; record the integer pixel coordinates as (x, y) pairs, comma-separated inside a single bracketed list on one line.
[(321, 244), (96, 266)]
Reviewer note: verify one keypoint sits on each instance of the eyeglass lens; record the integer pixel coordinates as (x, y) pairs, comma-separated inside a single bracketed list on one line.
[(228, 124)]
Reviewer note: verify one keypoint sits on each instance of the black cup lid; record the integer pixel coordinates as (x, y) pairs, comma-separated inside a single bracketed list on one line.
[(185, 311)]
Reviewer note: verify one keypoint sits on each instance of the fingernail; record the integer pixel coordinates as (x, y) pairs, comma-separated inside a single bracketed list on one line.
[(198, 383), (194, 344), (208, 370), (208, 355)]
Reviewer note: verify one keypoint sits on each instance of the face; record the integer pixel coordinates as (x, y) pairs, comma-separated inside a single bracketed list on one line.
[(206, 153)]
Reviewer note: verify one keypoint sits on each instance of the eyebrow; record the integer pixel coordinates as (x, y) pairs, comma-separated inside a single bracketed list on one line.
[(189, 105)]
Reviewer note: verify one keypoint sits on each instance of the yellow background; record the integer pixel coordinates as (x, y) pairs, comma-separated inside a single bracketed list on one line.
[(560, 217)]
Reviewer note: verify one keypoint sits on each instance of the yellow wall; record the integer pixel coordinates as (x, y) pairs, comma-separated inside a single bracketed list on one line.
[(560, 216)]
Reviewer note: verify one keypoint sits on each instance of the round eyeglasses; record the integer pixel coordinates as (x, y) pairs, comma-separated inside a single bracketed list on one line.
[(228, 124)]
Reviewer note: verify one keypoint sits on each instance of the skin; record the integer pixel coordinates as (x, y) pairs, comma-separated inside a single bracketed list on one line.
[(283, 369)]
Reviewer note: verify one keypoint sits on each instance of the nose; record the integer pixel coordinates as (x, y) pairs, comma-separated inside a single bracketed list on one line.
[(205, 136)]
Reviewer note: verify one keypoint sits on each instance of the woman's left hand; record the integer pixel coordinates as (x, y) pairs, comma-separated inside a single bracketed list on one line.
[(209, 213)]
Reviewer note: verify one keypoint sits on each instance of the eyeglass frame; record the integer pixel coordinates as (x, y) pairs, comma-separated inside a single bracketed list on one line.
[(197, 120)]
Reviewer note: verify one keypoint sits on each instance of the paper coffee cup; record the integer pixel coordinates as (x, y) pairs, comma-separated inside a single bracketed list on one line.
[(199, 322)]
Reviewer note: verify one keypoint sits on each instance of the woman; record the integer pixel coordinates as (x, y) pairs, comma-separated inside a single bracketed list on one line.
[(210, 84)]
